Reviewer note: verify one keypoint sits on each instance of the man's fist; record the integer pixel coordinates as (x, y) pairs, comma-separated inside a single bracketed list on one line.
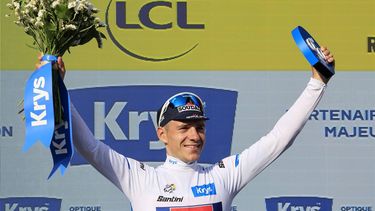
[(59, 65)]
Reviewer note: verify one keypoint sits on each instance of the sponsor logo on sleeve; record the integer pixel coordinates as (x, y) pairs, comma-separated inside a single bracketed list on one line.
[(237, 161), (142, 166), (221, 164)]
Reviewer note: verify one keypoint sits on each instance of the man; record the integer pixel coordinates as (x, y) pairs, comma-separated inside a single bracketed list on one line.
[(180, 183)]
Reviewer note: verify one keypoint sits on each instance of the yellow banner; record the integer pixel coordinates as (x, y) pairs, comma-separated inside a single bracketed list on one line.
[(210, 35)]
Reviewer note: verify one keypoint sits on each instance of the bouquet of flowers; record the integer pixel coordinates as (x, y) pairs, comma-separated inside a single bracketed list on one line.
[(55, 26)]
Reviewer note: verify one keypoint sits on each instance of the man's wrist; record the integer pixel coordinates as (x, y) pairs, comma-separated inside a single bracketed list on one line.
[(316, 75)]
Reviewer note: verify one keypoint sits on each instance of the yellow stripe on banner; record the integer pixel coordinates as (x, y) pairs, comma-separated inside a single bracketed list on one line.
[(211, 35)]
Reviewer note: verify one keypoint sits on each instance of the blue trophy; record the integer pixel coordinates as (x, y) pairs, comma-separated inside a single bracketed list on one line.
[(312, 52)]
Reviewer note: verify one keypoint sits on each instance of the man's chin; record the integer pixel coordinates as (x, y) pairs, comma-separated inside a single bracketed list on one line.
[(194, 157)]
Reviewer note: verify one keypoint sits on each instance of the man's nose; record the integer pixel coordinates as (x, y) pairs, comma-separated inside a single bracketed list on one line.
[(194, 134)]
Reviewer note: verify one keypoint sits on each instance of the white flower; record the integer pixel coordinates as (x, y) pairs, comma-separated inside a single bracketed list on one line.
[(27, 29), (10, 6), (32, 5), (95, 10), (81, 6), (70, 27), (44, 3), (39, 21), (97, 20), (17, 14), (71, 4), (54, 4), (41, 13), (16, 5), (99, 23), (39, 24), (91, 8), (18, 23)]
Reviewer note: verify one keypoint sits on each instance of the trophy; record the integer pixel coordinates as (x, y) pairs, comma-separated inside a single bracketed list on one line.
[(312, 52)]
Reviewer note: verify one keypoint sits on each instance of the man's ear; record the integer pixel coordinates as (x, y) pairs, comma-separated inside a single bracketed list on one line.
[(162, 135)]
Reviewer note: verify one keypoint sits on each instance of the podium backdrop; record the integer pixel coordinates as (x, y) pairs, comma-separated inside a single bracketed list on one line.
[(241, 51)]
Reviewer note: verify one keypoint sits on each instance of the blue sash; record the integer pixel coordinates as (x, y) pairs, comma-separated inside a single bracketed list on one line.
[(40, 118)]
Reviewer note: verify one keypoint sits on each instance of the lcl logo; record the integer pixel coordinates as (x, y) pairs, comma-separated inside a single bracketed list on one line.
[(145, 21)]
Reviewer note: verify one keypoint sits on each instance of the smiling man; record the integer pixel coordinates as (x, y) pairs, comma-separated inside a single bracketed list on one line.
[(181, 184), (181, 126)]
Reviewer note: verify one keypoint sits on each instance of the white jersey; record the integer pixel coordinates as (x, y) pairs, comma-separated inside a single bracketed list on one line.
[(177, 186)]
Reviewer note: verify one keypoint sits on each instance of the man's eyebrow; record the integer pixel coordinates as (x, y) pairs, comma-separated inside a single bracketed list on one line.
[(182, 124)]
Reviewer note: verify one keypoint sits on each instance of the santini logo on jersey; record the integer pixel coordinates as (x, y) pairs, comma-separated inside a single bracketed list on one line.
[(170, 199), (204, 190)]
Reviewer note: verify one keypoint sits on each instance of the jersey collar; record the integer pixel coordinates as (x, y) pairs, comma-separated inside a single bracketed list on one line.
[(172, 162)]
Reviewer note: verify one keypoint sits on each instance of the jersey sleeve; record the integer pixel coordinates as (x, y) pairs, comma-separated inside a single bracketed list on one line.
[(237, 170), (125, 173)]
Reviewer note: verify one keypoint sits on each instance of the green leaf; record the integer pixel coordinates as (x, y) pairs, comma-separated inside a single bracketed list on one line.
[(102, 35), (91, 33), (50, 26), (69, 14), (62, 12), (99, 40)]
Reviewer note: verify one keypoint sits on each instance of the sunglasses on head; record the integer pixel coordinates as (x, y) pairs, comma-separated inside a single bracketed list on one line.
[(180, 99)]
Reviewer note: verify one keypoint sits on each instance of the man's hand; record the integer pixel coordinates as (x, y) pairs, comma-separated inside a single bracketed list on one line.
[(59, 65), (329, 58)]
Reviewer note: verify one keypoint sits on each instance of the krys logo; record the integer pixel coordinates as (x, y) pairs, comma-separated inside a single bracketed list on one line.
[(155, 30), (124, 118), (30, 203), (299, 204)]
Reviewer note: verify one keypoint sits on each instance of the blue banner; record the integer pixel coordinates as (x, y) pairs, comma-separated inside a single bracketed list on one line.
[(61, 145), (40, 117), (38, 107)]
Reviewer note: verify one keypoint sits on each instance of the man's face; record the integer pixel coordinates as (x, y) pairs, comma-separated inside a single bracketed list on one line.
[(184, 139)]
